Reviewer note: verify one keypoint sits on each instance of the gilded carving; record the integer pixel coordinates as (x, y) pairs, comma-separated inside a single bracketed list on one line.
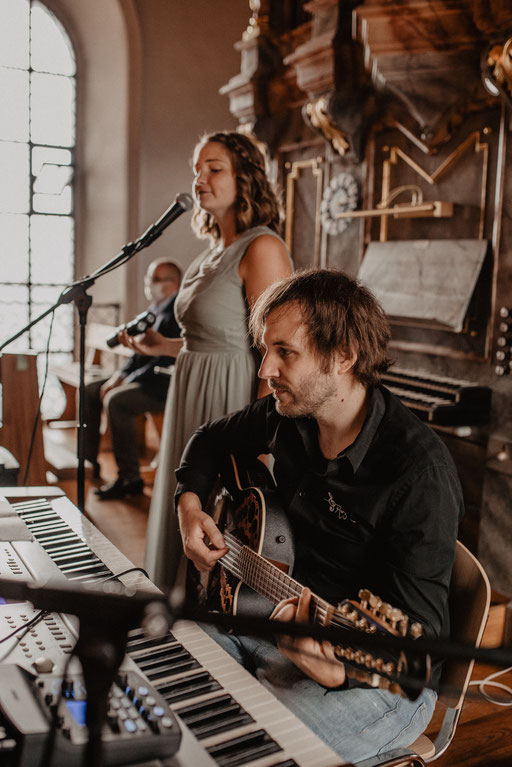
[(499, 63), (318, 116)]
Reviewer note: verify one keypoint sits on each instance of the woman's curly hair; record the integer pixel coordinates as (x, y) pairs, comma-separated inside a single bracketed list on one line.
[(257, 203)]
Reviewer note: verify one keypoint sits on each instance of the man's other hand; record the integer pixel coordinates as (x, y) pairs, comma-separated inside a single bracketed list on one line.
[(316, 659)]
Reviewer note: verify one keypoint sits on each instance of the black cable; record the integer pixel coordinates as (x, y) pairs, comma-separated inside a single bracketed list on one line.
[(125, 572), (38, 413), (25, 627), (50, 738)]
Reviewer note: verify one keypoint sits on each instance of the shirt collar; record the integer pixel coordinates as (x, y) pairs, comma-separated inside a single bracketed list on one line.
[(356, 452)]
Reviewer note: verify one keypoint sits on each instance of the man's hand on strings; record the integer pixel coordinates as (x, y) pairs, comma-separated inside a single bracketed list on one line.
[(316, 659), (203, 542)]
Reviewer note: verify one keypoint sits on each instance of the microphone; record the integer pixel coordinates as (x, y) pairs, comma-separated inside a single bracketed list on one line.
[(182, 203)]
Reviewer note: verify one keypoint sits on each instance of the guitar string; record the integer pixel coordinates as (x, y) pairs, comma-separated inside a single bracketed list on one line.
[(266, 577)]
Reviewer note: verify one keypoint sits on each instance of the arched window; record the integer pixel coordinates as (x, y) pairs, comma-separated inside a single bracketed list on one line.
[(37, 149)]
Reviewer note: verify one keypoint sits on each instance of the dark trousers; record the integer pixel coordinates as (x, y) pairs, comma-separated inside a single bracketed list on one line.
[(121, 404)]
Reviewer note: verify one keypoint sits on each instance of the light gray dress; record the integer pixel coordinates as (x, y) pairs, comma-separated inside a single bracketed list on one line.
[(214, 374)]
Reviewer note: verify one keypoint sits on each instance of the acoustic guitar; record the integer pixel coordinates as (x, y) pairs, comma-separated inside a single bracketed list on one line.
[(253, 577)]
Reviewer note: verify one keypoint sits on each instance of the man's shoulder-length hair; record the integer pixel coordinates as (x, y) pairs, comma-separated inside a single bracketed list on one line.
[(340, 315)]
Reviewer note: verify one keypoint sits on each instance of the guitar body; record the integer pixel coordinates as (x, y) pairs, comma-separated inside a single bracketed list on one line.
[(252, 513)]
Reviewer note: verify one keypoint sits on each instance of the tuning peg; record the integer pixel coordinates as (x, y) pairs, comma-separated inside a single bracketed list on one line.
[(362, 624), (404, 622), (375, 603), (353, 616), (395, 616), (416, 630), (365, 595)]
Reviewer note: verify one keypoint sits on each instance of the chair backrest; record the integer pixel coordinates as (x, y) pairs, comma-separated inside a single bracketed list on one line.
[(470, 596)]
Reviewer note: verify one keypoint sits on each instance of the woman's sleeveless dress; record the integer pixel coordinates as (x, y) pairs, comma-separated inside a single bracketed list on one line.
[(214, 374)]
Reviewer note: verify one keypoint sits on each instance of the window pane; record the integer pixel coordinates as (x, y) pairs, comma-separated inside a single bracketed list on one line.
[(42, 155), (14, 33), (14, 178), (14, 90), (62, 330), (13, 316), (50, 47), (52, 249), (52, 174), (52, 109), (14, 247), (53, 203)]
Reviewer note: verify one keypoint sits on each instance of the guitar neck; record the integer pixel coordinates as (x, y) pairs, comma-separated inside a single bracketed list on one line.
[(267, 579)]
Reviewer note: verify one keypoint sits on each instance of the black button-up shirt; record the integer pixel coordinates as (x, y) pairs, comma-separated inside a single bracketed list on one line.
[(382, 515)]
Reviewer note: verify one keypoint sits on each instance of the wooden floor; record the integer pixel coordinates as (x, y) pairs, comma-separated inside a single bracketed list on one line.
[(484, 734)]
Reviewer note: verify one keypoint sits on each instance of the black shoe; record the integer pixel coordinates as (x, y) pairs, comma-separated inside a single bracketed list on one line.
[(120, 489)]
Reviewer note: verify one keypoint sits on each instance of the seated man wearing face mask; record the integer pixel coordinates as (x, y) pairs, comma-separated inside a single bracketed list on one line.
[(134, 389)]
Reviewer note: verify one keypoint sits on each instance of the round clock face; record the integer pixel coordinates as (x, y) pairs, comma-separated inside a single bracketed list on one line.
[(341, 195)]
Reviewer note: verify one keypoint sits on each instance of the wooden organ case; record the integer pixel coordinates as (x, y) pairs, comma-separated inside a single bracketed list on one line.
[(388, 122)]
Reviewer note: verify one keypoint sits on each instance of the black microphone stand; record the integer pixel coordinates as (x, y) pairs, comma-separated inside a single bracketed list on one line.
[(77, 292)]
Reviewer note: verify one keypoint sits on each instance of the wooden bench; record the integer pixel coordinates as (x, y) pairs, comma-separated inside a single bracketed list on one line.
[(100, 362)]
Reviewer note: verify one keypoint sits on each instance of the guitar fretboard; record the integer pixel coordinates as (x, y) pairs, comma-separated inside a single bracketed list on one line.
[(267, 579)]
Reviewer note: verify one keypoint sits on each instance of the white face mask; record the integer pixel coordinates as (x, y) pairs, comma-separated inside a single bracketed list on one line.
[(154, 292)]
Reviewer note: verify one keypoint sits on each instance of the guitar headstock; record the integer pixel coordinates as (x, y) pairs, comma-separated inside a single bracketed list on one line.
[(386, 670), (370, 613)]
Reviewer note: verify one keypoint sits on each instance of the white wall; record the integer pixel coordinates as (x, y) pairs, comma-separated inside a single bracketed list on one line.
[(187, 50), (149, 72)]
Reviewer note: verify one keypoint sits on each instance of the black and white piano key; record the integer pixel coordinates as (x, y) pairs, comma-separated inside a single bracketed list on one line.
[(244, 749), (214, 716), (195, 685)]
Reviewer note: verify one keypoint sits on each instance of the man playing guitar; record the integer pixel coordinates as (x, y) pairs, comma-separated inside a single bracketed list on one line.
[(371, 494)]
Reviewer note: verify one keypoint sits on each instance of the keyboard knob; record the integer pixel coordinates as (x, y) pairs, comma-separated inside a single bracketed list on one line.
[(43, 665)]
